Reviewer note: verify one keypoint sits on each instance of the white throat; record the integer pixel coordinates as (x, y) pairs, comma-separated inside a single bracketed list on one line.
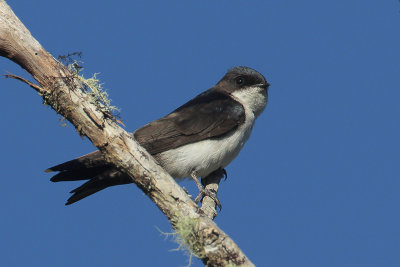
[(252, 98)]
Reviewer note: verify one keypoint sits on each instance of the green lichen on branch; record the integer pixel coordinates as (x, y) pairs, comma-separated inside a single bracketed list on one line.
[(99, 94), (187, 229), (186, 239), (93, 87)]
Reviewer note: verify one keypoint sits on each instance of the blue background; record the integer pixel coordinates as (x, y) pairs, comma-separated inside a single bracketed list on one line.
[(316, 185)]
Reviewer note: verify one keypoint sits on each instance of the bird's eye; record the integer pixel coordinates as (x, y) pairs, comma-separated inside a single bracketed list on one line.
[(239, 81)]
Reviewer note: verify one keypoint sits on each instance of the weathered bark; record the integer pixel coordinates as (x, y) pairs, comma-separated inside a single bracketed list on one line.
[(64, 92)]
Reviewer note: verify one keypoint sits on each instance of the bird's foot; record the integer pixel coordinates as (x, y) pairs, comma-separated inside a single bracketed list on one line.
[(205, 192), (209, 193)]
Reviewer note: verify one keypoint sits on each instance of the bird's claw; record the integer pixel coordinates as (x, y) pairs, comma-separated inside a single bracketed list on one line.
[(225, 174), (209, 193)]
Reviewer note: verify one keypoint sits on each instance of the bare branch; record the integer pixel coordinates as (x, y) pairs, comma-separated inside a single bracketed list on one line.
[(31, 84), (66, 94)]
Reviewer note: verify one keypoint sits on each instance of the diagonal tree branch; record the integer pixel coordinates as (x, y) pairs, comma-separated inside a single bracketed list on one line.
[(65, 93)]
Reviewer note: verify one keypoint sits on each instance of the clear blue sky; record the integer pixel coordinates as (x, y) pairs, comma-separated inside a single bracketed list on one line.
[(318, 183)]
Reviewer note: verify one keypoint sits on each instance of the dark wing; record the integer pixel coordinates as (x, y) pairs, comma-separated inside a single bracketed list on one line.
[(210, 114)]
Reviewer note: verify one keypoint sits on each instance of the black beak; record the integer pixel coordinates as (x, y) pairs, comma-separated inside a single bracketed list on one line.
[(263, 85)]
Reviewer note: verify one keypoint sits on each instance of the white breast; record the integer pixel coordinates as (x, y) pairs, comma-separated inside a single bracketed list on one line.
[(208, 155)]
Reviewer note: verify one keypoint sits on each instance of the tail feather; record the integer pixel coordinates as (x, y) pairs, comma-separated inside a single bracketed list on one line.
[(78, 174), (106, 179), (90, 167), (93, 159)]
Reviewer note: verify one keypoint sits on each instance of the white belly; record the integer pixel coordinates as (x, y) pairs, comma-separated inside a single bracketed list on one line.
[(208, 155)]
